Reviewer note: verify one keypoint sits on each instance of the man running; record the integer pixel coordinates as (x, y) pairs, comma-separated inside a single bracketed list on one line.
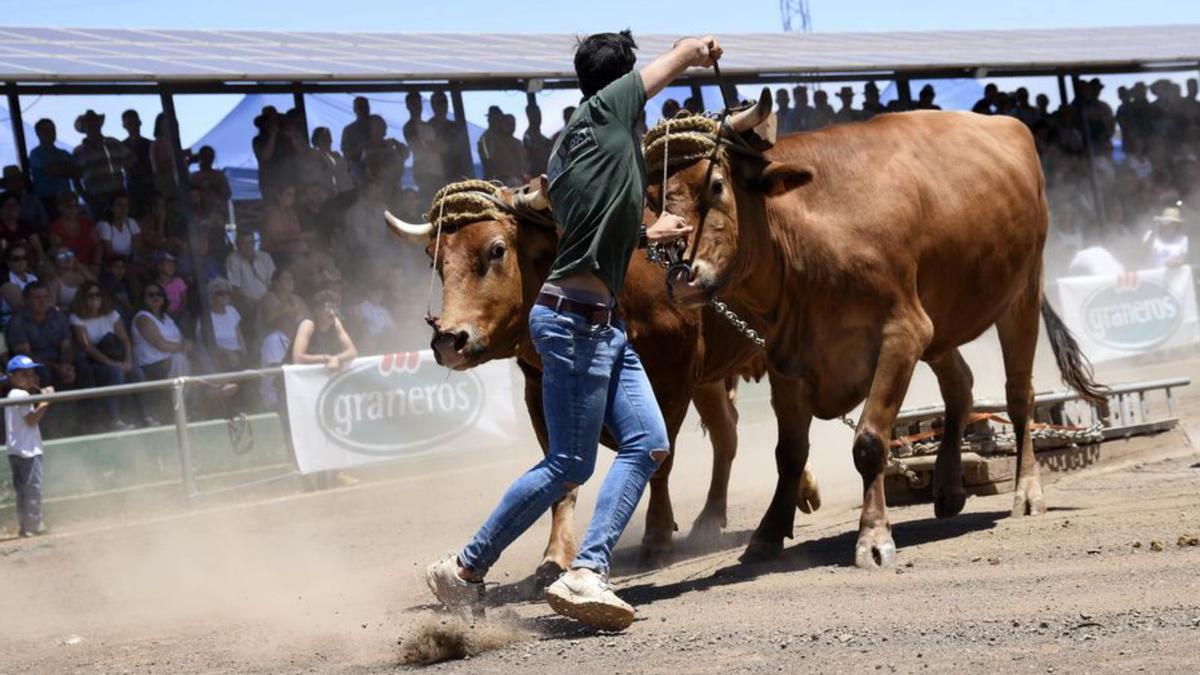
[(591, 377)]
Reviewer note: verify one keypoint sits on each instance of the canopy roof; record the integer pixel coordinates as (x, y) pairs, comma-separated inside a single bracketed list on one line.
[(75, 55)]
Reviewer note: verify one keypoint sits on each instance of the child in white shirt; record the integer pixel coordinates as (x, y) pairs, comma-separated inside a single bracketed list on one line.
[(24, 440)]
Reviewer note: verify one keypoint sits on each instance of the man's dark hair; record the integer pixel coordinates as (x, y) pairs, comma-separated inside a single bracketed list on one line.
[(602, 58), (32, 286)]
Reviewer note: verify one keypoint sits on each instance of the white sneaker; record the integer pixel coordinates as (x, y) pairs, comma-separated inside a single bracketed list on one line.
[(585, 596), (450, 589)]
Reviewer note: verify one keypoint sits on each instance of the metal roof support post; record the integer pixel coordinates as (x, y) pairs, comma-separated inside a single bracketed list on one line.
[(1097, 199), (181, 182), (698, 94), (904, 92), (1062, 89), (298, 104), (460, 123), (18, 128)]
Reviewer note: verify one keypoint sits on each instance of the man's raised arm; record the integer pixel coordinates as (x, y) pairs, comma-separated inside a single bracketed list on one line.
[(686, 53)]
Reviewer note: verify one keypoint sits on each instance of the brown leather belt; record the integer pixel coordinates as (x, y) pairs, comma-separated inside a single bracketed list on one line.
[(594, 314)]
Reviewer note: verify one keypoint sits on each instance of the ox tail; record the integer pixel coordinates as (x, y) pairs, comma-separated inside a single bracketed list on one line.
[(1075, 368)]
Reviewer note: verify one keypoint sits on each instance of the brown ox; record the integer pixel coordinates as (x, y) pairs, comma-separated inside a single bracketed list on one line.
[(491, 270), (859, 250)]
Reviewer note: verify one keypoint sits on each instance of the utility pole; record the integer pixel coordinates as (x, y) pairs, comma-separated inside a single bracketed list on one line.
[(795, 15)]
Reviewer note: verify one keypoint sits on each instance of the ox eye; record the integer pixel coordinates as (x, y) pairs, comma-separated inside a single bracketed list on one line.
[(496, 252), (718, 186)]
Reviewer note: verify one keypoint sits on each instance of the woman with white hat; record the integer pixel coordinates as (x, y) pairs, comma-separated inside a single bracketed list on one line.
[(1168, 244)]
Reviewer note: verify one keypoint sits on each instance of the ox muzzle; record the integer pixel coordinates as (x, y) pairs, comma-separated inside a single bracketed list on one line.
[(453, 347)]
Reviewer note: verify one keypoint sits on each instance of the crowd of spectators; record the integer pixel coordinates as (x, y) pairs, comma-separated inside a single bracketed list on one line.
[(120, 267)]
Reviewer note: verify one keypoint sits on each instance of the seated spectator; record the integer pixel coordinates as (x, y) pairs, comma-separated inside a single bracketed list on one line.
[(100, 164), (172, 284), (309, 205), (249, 272), (159, 347), (153, 226), (73, 230), (210, 181), (281, 299), (115, 282), (323, 339), (140, 173), (1167, 242), (43, 333), (106, 350), (68, 276), (33, 212), (49, 167), (282, 235), (224, 342), (206, 217), (327, 166), (275, 351), (119, 234), (14, 231), (12, 297), (372, 321)]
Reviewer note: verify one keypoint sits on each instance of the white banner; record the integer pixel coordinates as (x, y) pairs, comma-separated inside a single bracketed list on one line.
[(381, 408), (1133, 313)]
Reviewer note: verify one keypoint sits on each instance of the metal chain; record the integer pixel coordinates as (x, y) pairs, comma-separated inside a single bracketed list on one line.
[(659, 254)]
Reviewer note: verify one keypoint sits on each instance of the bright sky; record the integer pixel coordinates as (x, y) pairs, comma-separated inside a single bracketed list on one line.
[(198, 114)]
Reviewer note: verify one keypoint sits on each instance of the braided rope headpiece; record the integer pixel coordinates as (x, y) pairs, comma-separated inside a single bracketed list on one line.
[(465, 202), (683, 139)]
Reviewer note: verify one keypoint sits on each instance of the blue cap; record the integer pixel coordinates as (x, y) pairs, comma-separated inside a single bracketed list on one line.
[(21, 362)]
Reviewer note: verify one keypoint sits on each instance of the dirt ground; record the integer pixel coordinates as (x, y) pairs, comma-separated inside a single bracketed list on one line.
[(329, 581)]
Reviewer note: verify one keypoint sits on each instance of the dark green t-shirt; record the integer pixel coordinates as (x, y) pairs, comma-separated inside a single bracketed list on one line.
[(597, 180)]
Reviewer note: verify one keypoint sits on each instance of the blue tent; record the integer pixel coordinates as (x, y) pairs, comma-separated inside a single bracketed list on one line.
[(231, 137)]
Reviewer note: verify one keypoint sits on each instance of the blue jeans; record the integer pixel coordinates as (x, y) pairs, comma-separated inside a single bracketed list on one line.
[(27, 481), (591, 379)]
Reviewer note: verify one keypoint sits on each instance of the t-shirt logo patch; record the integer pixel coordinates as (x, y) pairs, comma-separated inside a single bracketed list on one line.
[(579, 140)]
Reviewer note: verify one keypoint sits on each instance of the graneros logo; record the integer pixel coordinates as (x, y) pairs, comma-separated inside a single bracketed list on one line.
[(1133, 314), (398, 405)]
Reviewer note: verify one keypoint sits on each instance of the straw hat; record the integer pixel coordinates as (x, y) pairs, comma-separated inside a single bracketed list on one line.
[(1171, 214), (82, 120)]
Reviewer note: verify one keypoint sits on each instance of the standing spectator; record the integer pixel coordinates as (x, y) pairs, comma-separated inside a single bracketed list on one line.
[(100, 164), (373, 322), (120, 234), (224, 341), (42, 332), (159, 347), (383, 158), (49, 167), (274, 351), (1167, 243), (356, 134), (925, 99), (14, 231), (76, 232), (106, 349), (569, 112), (210, 181), (281, 299), (1022, 110), (537, 146), (329, 167), (783, 110), (1097, 115), (987, 104), (823, 114), (140, 173), (249, 272), (847, 113), (281, 232), (670, 108), (801, 113), (423, 144), (33, 213), (871, 104), (502, 154), (275, 151), (452, 139), (153, 225), (488, 144), (323, 339), (24, 442)]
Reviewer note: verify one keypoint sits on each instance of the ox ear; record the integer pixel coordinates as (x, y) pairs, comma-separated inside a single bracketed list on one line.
[(777, 178)]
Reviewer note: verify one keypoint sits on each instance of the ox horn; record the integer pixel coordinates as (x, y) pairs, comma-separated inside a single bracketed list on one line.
[(534, 196), (748, 119), (404, 229)]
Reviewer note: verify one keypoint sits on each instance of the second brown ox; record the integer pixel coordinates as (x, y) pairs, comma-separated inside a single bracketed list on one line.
[(494, 253), (857, 251)]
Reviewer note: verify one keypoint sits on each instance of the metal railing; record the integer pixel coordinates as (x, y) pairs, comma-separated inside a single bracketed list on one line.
[(177, 386)]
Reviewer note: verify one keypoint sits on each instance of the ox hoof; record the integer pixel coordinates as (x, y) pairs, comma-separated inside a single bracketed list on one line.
[(875, 551), (547, 573), (654, 556), (706, 531), (1028, 500), (809, 498), (949, 502), (759, 551)]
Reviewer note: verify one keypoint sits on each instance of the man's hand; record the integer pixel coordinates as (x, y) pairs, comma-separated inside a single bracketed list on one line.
[(710, 51), (667, 228), (686, 53)]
